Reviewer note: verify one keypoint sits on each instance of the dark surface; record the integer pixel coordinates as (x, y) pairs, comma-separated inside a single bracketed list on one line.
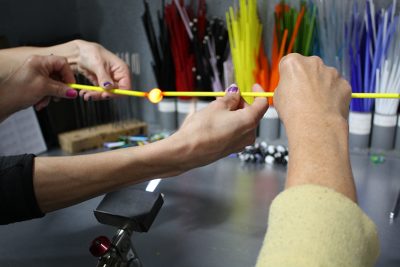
[(212, 216)]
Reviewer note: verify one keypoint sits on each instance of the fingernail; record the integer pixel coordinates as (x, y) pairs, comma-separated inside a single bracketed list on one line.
[(71, 93), (233, 89), (107, 84)]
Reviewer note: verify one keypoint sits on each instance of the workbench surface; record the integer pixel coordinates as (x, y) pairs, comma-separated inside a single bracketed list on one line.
[(212, 216)]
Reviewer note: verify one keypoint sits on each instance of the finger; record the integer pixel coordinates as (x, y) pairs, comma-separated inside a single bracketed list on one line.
[(242, 103), (88, 75), (255, 88), (106, 96), (231, 100), (82, 93), (92, 96), (103, 76), (121, 75), (260, 104), (59, 89), (125, 83), (59, 66), (44, 102)]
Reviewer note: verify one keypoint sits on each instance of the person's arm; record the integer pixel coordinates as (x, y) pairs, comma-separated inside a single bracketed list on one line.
[(313, 102), (315, 221), (92, 60), (224, 127)]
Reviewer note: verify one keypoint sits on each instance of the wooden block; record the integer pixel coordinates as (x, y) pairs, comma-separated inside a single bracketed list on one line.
[(95, 137)]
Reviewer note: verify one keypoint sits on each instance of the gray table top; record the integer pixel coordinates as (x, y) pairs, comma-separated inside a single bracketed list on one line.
[(212, 216)]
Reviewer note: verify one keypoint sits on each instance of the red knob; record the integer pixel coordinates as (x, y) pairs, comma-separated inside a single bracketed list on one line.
[(100, 246)]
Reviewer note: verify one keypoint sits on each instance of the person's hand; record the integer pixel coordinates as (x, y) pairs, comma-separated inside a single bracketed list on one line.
[(226, 126), (33, 83), (313, 102), (102, 68), (92, 60), (309, 91)]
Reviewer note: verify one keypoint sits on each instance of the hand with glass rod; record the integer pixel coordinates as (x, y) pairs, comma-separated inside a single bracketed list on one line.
[(97, 64)]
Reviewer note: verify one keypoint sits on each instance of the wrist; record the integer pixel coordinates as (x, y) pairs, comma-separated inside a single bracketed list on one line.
[(328, 136), (11, 59), (310, 124), (69, 50), (180, 153), (164, 158), (319, 154)]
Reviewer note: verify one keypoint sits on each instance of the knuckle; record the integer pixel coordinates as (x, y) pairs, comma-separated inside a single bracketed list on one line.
[(316, 60), (333, 72), (346, 87), (93, 45), (63, 60), (290, 60), (33, 59), (218, 103)]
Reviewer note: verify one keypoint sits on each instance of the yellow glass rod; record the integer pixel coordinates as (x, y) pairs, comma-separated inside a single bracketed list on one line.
[(157, 94)]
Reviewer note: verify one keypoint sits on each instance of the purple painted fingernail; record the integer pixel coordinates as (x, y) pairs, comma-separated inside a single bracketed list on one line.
[(107, 84), (233, 89), (71, 93)]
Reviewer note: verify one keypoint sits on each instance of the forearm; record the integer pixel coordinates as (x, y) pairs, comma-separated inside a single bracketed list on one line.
[(15, 57), (64, 181), (321, 157)]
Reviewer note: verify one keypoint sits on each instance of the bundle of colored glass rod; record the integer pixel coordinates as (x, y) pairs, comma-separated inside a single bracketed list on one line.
[(353, 36), (245, 30), (373, 65), (193, 53), (160, 48), (294, 32)]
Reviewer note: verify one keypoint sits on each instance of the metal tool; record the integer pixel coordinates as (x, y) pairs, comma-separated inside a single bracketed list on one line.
[(130, 210)]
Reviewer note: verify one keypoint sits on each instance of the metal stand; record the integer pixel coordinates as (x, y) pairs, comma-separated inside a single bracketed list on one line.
[(129, 210)]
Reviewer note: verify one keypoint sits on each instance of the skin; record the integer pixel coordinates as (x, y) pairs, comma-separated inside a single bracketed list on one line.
[(92, 60), (32, 84), (313, 102)]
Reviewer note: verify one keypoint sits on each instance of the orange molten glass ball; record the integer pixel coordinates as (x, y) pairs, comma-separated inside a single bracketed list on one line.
[(155, 95)]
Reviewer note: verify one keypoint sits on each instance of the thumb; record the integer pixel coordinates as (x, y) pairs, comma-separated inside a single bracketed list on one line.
[(231, 100), (260, 104), (103, 77), (59, 89)]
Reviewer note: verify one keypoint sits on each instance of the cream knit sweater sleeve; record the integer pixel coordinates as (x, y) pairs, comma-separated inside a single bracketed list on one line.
[(311, 226)]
